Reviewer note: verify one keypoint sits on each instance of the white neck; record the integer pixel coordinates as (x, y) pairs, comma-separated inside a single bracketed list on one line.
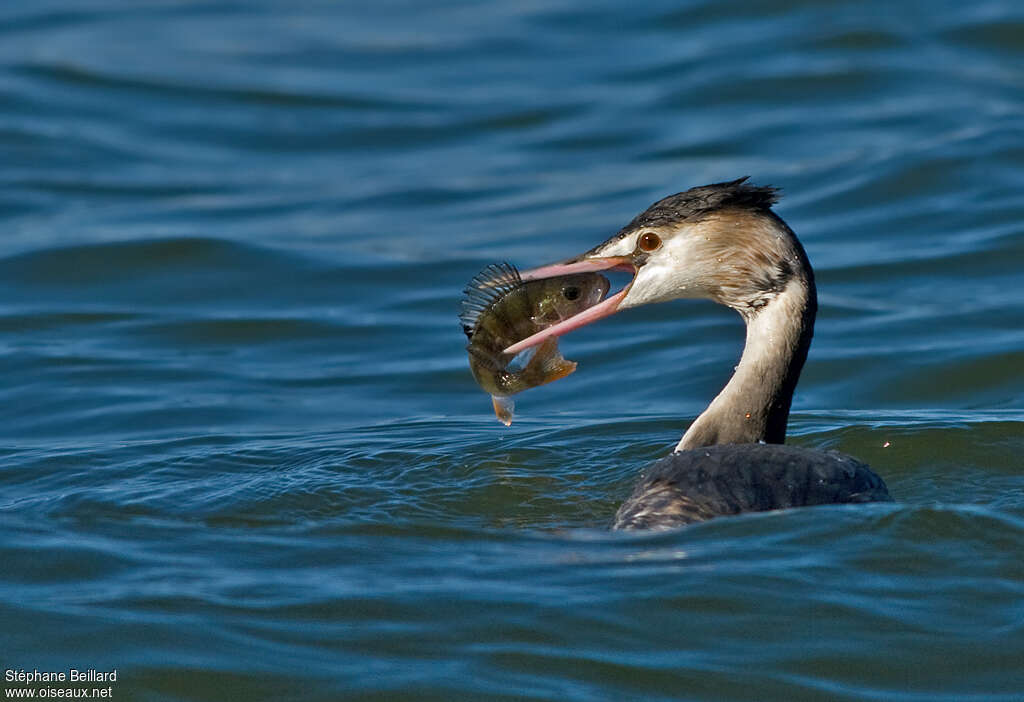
[(754, 405)]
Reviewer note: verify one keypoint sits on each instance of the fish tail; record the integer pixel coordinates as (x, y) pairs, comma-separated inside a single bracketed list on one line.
[(503, 408)]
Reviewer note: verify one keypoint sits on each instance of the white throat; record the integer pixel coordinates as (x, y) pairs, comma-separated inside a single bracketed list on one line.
[(754, 405)]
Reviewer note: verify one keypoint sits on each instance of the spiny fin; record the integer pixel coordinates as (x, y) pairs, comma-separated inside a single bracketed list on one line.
[(504, 406), (491, 284)]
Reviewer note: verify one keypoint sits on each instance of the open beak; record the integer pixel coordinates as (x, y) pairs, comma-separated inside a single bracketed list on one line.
[(605, 308)]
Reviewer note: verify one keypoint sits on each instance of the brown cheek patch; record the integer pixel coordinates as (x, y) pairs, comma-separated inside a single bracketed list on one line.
[(745, 256)]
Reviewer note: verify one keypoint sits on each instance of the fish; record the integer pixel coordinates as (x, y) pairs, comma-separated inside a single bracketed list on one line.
[(499, 308)]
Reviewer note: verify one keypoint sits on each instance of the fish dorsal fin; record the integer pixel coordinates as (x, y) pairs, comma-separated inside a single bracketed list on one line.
[(491, 284)]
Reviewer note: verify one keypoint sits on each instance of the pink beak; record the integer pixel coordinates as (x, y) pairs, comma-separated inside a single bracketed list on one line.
[(603, 309)]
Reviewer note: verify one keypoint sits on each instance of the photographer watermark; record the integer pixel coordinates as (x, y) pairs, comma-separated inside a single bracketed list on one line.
[(58, 684)]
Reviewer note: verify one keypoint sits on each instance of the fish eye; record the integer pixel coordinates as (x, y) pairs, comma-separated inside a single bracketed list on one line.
[(571, 293), (648, 241)]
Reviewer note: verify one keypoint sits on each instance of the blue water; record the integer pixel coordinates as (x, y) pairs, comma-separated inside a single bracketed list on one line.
[(241, 454)]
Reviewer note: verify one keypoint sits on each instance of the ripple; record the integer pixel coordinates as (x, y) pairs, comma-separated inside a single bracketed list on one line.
[(238, 433)]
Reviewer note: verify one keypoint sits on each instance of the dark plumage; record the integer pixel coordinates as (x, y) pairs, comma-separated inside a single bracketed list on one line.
[(723, 242), (696, 485), (695, 203)]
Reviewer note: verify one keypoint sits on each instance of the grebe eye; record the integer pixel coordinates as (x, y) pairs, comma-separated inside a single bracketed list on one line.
[(571, 293), (648, 241)]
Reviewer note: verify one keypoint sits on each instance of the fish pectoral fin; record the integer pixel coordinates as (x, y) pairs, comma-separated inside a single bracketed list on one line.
[(503, 408), (549, 363), (482, 357), (558, 372)]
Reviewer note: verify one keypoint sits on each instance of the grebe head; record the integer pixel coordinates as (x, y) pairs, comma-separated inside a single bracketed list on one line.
[(720, 242)]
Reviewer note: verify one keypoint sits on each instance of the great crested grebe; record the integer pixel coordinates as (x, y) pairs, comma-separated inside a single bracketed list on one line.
[(723, 242)]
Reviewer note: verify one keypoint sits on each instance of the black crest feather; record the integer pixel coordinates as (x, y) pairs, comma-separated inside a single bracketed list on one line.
[(699, 202)]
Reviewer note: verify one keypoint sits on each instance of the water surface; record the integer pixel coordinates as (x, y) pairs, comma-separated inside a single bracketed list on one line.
[(243, 456)]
